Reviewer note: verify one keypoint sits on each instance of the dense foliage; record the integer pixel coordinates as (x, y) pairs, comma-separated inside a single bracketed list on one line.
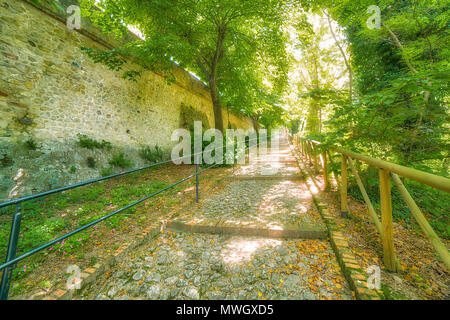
[(236, 47), (380, 90), (399, 109)]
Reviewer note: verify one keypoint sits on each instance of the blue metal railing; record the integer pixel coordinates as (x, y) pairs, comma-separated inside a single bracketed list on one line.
[(11, 260)]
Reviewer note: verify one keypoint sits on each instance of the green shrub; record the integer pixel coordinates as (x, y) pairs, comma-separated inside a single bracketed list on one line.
[(6, 160), (152, 155), (119, 160), (73, 169), (30, 144), (107, 171), (88, 143), (237, 151), (91, 162)]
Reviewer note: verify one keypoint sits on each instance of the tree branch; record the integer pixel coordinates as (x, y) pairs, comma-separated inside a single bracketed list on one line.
[(203, 68), (400, 47), (350, 73)]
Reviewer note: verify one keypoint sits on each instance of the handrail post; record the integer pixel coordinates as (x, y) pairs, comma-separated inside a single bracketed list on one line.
[(11, 253), (234, 164), (332, 168), (309, 152), (196, 182), (326, 184), (386, 220), (305, 145), (316, 160), (343, 189)]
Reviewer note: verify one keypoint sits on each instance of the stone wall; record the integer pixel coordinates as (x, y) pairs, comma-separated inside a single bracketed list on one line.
[(50, 91)]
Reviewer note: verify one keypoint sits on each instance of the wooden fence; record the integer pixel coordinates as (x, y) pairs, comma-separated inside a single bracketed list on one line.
[(319, 155)]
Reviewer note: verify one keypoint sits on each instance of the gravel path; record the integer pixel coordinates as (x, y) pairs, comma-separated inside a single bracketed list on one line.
[(195, 266), (256, 169), (264, 202), (206, 266)]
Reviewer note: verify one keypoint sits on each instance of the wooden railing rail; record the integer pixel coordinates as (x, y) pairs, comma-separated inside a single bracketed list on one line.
[(312, 150)]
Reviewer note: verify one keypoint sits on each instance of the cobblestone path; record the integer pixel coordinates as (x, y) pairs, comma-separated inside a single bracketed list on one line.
[(184, 265)]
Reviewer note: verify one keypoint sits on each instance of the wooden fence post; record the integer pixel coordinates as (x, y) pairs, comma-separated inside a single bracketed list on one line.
[(326, 184), (386, 220), (306, 150), (309, 152), (336, 177), (422, 221), (343, 189), (316, 160)]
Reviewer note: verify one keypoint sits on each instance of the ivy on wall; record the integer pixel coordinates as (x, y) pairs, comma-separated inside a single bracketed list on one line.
[(189, 114)]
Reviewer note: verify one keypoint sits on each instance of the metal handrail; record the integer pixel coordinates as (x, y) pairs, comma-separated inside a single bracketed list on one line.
[(11, 260), (76, 185), (91, 181), (90, 224)]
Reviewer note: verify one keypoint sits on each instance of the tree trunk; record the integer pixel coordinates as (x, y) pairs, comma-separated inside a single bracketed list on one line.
[(209, 68), (312, 122), (255, 125), (217, 108), (320, 119)]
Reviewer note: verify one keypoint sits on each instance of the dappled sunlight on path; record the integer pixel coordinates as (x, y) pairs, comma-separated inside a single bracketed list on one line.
[(256, 238)]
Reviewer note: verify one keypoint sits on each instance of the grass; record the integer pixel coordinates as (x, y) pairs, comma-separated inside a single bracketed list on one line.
[(106, 171), (85, 142), (91, 163), (55, 215), (30, 144), (119, 160), (152, 155)]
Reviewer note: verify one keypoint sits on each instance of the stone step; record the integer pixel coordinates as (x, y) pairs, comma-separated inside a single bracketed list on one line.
[(268, 177), (262, 161), (246, 228)]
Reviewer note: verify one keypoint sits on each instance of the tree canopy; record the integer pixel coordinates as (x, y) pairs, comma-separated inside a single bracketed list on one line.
[(398, 79), (382, 90), (236, 47)]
